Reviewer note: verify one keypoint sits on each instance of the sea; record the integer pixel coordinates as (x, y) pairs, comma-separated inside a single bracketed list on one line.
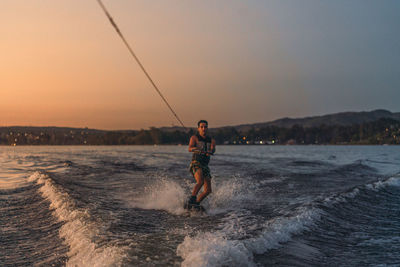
[(269, 206)]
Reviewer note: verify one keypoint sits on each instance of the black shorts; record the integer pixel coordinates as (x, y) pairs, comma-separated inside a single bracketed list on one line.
[(195, 166)]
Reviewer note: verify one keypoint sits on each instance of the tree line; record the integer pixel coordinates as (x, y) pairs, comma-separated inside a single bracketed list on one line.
[(383, 131)]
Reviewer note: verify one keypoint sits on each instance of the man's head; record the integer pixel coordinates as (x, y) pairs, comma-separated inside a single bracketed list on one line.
[(202, 127)]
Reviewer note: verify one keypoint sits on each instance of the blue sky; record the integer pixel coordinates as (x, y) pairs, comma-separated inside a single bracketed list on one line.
[(348, 52)]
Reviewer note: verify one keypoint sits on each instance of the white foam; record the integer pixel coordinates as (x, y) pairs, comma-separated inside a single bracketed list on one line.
[(166, 194), (281, 230), (214, 249), (232, 194), (162, 195), (376, 186), (230, 245), (342, 197), (392, 181), (79, 229), (218, 249)]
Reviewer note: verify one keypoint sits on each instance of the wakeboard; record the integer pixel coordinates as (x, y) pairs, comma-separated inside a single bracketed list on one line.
[(193, 207)]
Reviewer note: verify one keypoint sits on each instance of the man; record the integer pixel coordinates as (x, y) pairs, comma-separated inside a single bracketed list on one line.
[(202, 147)]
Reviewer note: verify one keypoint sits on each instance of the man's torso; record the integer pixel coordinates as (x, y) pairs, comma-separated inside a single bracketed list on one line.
[(203, 144)]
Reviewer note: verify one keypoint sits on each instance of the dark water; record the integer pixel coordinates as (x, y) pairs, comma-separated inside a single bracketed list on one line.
[(271, 205)]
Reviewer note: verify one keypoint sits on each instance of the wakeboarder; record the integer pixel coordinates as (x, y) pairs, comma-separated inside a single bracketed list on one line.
[(202, 146)]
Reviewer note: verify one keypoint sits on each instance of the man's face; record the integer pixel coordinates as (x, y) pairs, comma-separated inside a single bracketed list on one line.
[(202, 129)]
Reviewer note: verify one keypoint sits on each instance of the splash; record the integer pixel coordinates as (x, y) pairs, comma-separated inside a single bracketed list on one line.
[(79, 229), (281, 230), (164, 194), (214, 249), (232, 194), (231, 244), (376, 186), (392, 181), (223, 248)]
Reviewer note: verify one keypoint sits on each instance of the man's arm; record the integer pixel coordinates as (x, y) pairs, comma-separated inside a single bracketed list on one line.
[(213, 145), (193, 143)]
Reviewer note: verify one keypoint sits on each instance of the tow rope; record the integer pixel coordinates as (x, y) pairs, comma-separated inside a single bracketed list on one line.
[(138, 61)]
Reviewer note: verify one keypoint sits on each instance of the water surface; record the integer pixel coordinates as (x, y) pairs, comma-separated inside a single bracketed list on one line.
[(271, 205)]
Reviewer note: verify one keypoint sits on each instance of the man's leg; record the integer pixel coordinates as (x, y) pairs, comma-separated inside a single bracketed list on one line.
[(207, 190), (199, 182)]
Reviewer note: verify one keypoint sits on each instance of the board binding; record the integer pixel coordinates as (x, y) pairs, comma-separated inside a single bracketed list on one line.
[(193, 207)]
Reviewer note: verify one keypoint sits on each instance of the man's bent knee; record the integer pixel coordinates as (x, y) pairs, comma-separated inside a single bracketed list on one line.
[(199, 176), (201, 182)]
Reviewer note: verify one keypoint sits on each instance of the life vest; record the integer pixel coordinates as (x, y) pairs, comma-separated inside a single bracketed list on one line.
[(204, 145)]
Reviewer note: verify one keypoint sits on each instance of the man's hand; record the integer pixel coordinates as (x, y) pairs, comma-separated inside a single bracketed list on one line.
[(208, 153)]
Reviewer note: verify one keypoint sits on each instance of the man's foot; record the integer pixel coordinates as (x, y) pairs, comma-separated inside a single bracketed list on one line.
[(192, 202)]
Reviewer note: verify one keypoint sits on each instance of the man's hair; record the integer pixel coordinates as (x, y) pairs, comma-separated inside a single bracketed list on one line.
[(202, 121)]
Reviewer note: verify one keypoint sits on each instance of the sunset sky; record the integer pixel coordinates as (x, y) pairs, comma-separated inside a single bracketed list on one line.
[(231, 62)]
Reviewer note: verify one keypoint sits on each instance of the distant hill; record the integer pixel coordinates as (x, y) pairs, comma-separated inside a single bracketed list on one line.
[(337, 119), (374, 127)]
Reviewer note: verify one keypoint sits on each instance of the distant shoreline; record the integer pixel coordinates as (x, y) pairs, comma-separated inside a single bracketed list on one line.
[(377, 127), (380, 132), (148, 145)]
